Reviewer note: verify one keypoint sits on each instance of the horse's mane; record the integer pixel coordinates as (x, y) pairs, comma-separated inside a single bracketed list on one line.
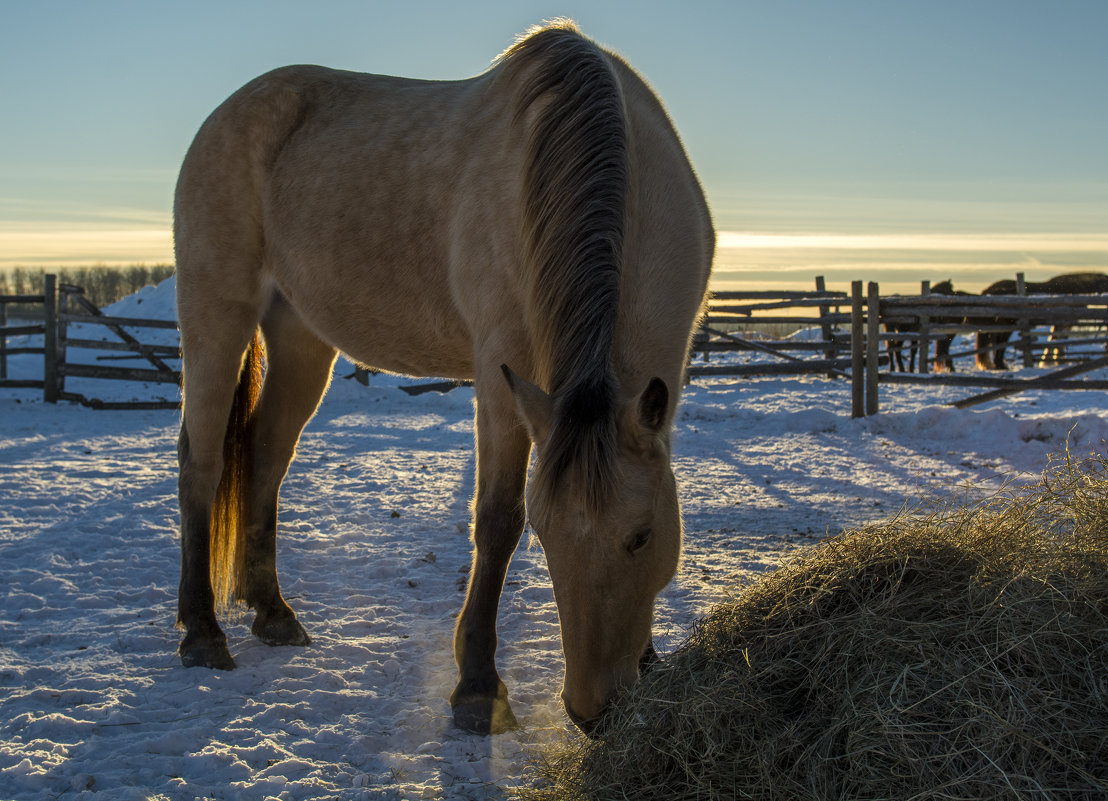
[(574, 207)]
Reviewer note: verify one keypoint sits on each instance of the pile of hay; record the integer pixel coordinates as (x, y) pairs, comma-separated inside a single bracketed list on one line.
[(949, 653)]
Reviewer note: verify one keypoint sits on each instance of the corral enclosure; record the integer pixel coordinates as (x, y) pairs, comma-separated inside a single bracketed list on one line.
[(865, 338), (92, 695)]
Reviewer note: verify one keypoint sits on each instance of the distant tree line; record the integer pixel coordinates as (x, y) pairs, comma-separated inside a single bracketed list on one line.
[(103, 285)]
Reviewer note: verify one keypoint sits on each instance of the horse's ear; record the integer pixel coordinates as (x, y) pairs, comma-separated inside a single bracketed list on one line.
[(535, 406), (653, 404)]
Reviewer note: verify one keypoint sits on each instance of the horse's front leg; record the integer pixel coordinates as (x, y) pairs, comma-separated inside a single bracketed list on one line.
[(480, 701)]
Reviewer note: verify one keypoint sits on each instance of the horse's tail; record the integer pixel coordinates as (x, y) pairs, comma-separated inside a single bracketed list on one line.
[(229, 509)]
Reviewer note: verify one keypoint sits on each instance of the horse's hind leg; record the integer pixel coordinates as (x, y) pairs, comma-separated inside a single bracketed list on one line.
[(297, 372), (212, 349), (480, 701)]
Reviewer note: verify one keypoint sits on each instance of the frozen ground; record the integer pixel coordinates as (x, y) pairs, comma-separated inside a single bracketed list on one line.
[(94, 703)]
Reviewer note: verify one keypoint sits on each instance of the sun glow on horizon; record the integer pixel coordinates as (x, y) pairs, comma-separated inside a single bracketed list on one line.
[(751, 260), (726, 240), (64, 243), (899, 261)]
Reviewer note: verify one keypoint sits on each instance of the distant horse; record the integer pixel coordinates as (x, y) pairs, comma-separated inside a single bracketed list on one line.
[(992, 344), (541, 215), (942, 343)]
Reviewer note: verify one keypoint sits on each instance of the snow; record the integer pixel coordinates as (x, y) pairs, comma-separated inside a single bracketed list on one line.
[(373, 550)]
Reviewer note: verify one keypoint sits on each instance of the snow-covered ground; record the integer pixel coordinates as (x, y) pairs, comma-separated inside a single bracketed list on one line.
[(94, 702)]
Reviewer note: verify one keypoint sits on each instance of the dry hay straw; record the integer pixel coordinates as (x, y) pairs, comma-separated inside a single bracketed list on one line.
[(953, 652)]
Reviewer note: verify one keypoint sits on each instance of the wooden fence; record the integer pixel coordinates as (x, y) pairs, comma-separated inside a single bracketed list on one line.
[(843, 338), (25, 329), (64, 305), (819, 311)]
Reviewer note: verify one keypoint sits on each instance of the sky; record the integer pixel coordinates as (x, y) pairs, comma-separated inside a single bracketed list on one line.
[(932, 128)]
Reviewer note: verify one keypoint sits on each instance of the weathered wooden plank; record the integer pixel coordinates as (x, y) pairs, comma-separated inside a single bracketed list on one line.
[(170, 351), (811, 322), (748, 344), (726, 346), (857, 357), (978, 379), (1041, 382), (96, 403), (976, 302), (130, 322), (827, 331), (799, 303), (21, 330), (50, 341), (120, 373), (117, 327), (872, 339), (1045, 317), (435, 386), (776, 293), (771, 368)]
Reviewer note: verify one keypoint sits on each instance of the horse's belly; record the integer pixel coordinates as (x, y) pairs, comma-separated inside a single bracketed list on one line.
[(413, 332), (417, 351)]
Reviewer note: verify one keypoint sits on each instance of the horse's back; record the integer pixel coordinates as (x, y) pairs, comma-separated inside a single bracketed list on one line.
[(388, 211), (351, 193)]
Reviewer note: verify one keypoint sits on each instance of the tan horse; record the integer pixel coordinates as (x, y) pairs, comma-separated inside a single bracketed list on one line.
[(537, 229)]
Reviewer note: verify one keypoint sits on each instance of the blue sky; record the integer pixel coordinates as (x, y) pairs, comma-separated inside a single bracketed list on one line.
[(853, 117)]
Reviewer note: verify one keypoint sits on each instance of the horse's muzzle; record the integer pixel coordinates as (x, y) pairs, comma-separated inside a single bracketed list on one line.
[(592, 727), (589, 727)]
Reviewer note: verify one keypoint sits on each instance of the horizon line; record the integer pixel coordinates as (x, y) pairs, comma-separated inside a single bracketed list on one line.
[(81, 244)]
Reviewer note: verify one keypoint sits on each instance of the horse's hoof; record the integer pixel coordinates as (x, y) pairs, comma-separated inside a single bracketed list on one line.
[(207, 654), (482, 714), (284, 630)]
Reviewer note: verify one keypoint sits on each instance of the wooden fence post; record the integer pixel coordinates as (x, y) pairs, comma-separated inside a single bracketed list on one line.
[(1024, 324), (50, 339), (3, 340), (857, 355), (873, 340), (925, 332), (832, 349), (63, 332)]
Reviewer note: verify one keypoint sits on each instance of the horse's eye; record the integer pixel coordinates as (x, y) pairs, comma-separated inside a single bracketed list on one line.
[(642, 536)]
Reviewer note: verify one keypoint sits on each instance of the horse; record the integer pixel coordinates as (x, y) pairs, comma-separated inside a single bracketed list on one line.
[(943, 361), (992, 344), (537, 229)]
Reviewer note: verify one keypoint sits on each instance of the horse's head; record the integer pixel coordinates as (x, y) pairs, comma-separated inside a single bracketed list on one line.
[(611, 531)]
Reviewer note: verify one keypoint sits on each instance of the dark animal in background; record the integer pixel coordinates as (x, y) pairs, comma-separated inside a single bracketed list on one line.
[(943, 362), (991, 345)]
